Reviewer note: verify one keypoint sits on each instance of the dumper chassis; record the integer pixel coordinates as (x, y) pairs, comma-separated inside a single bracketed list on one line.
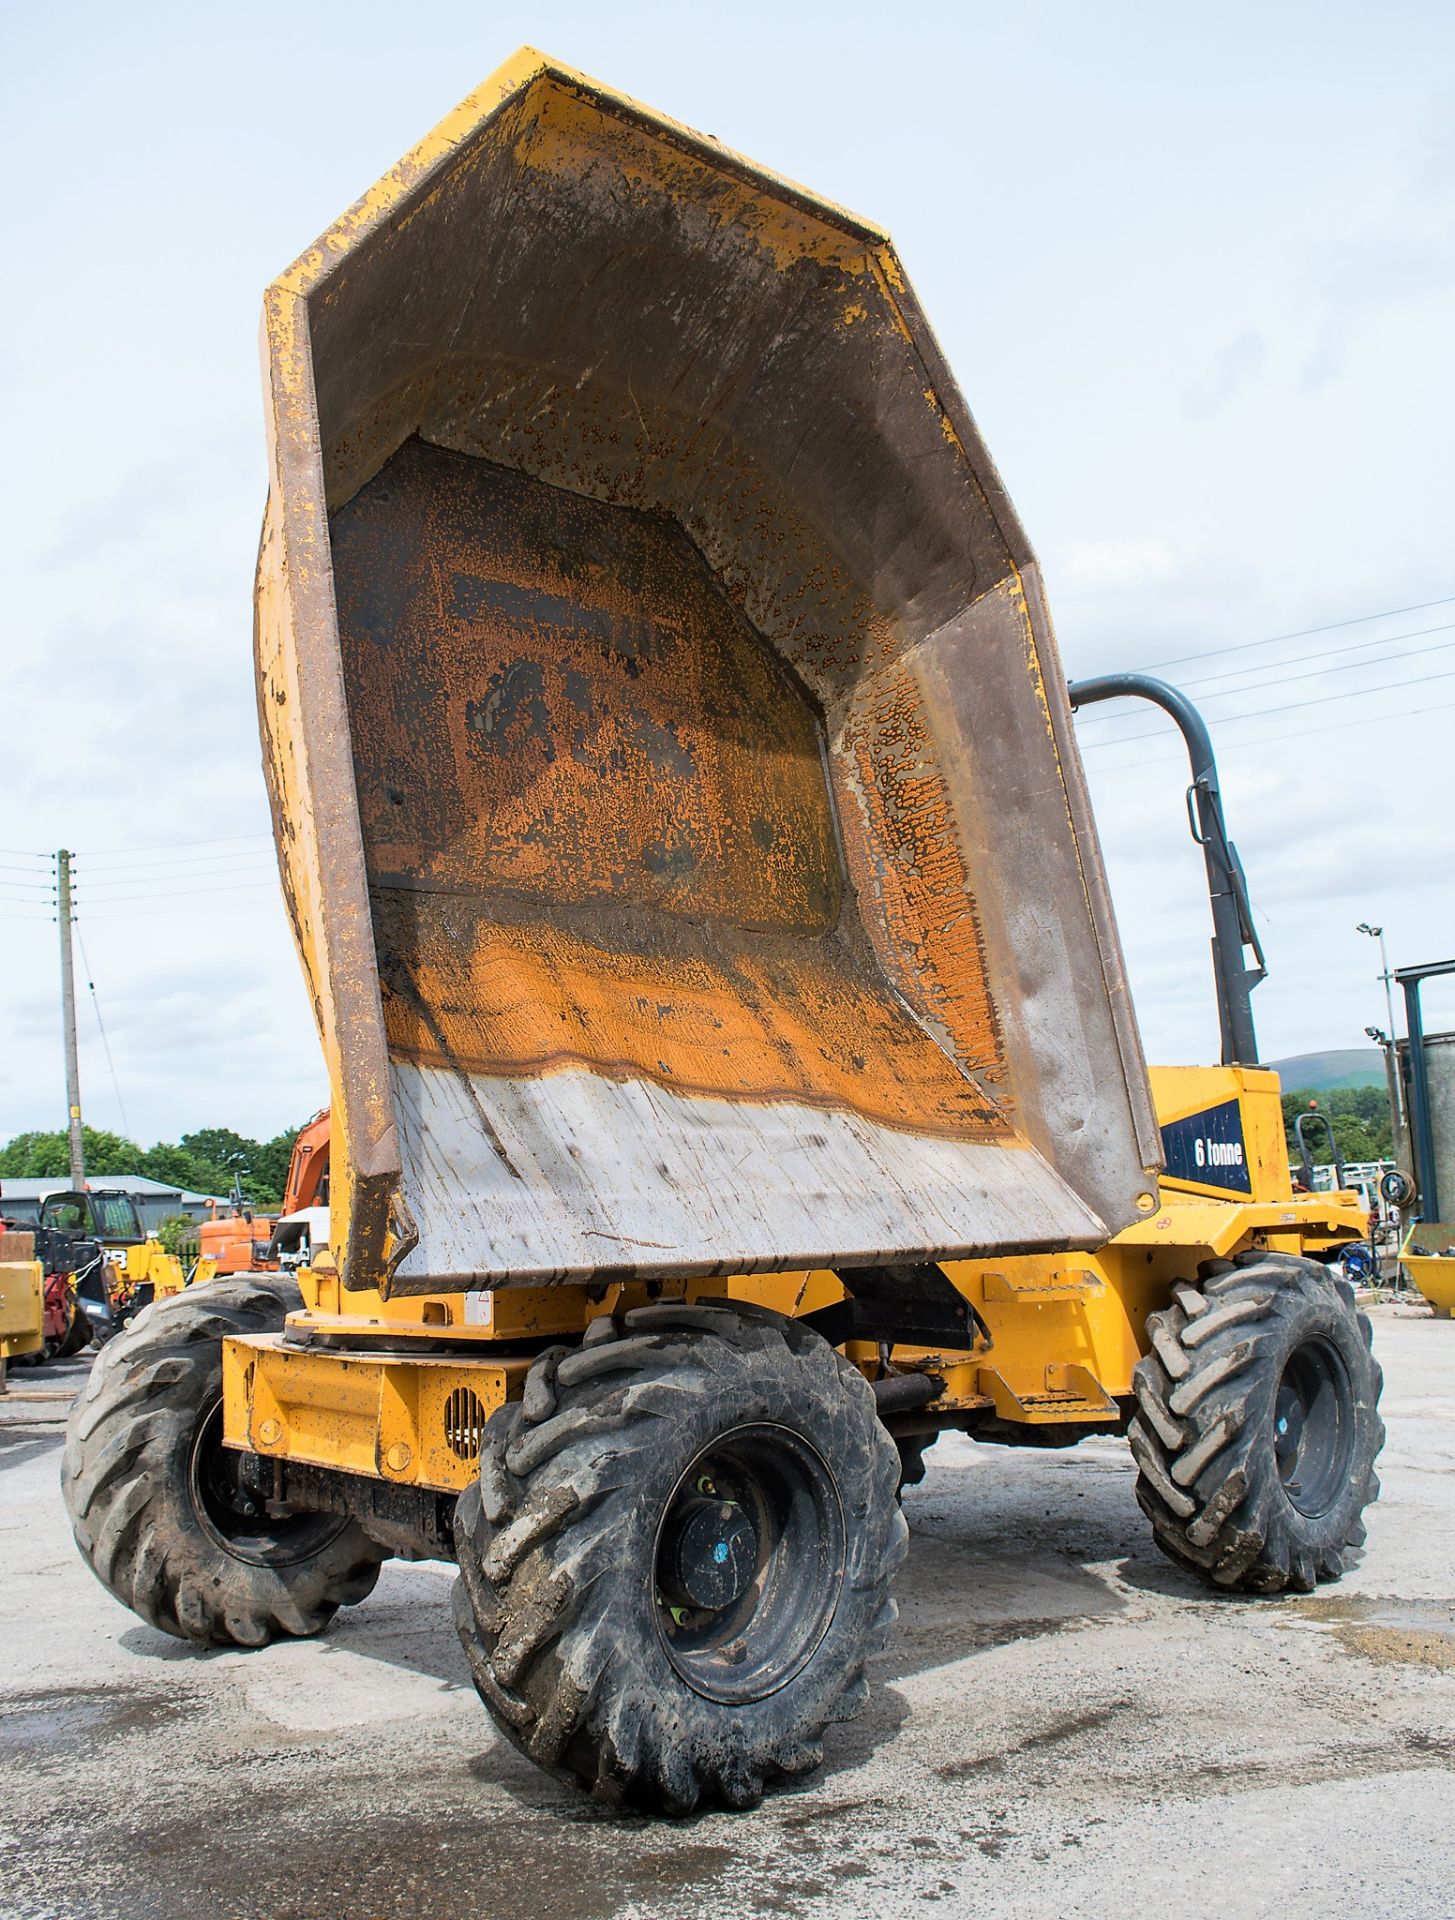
[(733, 1080), (677, 1530)]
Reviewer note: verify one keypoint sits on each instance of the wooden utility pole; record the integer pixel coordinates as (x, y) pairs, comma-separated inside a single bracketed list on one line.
[(68, 1023)]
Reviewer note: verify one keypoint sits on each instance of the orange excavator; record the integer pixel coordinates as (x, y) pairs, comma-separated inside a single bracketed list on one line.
[(244, 1242)]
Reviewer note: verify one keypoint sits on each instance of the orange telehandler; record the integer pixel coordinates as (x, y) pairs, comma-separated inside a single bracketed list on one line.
[(244, 1242)]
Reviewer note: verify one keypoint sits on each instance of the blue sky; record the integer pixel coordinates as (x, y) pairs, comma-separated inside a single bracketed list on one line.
[(1194, 269)]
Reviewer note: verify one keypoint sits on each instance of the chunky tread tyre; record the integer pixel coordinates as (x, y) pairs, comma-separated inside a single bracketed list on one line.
[(1204, 1438), (131, 1487), (77, 1336), (556, 1604)]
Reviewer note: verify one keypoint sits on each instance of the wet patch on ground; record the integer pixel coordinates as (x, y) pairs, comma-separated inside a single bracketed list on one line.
[(1418, 1633), (59, 1719), (361, 1863)]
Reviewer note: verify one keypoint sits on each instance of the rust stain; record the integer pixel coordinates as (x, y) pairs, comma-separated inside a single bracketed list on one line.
[(518, 1001), (910, 868), (553, 698), (599, 825)]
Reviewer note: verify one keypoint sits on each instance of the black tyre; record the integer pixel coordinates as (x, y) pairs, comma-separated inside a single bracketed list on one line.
[(679, 1555), (1257, 1424), (75, 1339), (174, 1523)]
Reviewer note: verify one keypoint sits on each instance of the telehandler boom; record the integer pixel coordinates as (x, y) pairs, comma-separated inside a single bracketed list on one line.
[(734, 1082)]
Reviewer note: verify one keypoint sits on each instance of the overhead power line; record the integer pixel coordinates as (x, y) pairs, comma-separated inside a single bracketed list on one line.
[(1275, 667), (1301, 633), (168, 846), (200, 862), (187, 877), (1291, 706), (1142, 760), (101, 1026), (161, 912), (154, 885), (191, 893)]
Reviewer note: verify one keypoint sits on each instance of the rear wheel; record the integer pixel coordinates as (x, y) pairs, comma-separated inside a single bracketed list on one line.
[(1257, 1424), (679, 1554), (174, 1523), (77, 1335)]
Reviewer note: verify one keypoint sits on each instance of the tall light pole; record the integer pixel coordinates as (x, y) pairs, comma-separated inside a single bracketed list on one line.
[(1377, 933)]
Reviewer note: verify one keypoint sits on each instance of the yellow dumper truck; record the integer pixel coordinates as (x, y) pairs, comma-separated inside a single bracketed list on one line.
[(734, 1082)]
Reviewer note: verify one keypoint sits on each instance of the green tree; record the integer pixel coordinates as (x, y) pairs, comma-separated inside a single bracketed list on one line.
[(179, 1168), (47, 1156), (221, 1147), (202, 1162), (178, 1235), (1358, 1115), (270, 1167), (1356, 1140)]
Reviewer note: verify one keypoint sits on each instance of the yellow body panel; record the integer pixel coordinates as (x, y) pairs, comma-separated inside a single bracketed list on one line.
[(22, 1308), (1432, 1273), (415, 1422), (1181, 1092), (1435, 1279), (151, 1263)]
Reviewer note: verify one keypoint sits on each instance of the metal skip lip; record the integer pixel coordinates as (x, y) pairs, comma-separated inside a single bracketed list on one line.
[(669, 756)]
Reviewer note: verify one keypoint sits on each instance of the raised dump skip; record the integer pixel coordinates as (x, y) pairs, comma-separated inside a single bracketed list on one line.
[(670, 762)]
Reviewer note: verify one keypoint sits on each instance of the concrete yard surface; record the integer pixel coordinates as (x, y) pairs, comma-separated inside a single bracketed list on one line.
[(1066, 1725)]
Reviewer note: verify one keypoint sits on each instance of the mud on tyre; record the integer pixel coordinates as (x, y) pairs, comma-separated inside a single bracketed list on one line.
[(678, 1556), (1257, 1424), (171, 1521)]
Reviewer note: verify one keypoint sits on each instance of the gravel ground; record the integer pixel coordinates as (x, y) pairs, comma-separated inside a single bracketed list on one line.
[(1066, 1725)]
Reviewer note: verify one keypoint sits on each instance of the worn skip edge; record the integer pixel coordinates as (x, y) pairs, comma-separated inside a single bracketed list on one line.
[(337, 906), (432, 157)]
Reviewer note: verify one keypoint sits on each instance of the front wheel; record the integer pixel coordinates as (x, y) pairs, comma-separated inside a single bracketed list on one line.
[(1257, 1424), (174, 1523), (679, 1554)]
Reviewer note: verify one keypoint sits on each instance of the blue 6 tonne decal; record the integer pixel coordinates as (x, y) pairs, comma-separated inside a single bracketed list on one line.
[(1208, 1150)]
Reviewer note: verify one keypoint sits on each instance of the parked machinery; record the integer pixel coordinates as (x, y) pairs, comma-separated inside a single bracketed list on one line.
[(733, 1075), (22, 1300), (247, 1243), (101, 1266)]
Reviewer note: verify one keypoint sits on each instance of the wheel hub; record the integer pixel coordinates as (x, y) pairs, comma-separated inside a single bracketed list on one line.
[(748, 1563), (1313, 1427), (708, 1555)]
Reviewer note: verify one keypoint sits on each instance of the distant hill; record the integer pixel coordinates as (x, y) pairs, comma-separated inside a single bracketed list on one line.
[(1323, 1072)]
